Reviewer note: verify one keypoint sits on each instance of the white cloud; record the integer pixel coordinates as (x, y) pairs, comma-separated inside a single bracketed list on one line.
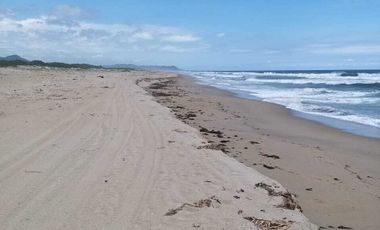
[(67, 11), (6, 13), (145, 35), (171, 48), (179, 49), (349, 60), (270, 51), (248, 50), (220, 35), (58, 34), (344, 49), (181, 38), (240, 50)]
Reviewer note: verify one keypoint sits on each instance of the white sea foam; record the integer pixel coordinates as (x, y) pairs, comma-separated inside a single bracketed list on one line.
[(348, 98), (295, 78)]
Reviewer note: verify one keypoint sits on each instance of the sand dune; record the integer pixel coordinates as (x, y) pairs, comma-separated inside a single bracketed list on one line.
[(79, 151)]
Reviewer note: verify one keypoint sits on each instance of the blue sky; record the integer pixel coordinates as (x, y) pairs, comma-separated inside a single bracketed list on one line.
[(197, 34)]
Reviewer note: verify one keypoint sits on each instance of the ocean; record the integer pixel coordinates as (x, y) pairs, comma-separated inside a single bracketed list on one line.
[(347, 100)]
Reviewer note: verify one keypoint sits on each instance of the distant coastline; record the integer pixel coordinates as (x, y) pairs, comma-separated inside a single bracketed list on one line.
[(16, 60)]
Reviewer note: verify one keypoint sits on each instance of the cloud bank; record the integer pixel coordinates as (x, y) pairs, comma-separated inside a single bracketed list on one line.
[(65, 33)]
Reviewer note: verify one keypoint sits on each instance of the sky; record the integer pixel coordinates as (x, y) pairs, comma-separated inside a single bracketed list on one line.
[(196, 34)]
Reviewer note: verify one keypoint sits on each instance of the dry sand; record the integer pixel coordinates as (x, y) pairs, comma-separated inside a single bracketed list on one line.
[(80, 151), (335, 175)]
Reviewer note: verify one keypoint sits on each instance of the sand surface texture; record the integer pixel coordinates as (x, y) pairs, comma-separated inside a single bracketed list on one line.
[(92, 150)]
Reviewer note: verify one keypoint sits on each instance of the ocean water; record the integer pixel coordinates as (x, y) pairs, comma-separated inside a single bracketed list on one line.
[(352, 96)]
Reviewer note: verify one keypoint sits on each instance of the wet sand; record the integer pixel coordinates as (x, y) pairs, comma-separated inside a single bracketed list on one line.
[(335, 175)]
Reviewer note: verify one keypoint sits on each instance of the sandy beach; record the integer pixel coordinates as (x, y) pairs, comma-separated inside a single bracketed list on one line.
[(160, 115), (90, 149), (335, 175)]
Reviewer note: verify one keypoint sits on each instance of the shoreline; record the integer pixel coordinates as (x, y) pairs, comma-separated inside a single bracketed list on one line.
[(306, 117), (346, 126), (334, 173)]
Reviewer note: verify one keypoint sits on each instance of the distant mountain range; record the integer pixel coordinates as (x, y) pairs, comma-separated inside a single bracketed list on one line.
[(15, 60)]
